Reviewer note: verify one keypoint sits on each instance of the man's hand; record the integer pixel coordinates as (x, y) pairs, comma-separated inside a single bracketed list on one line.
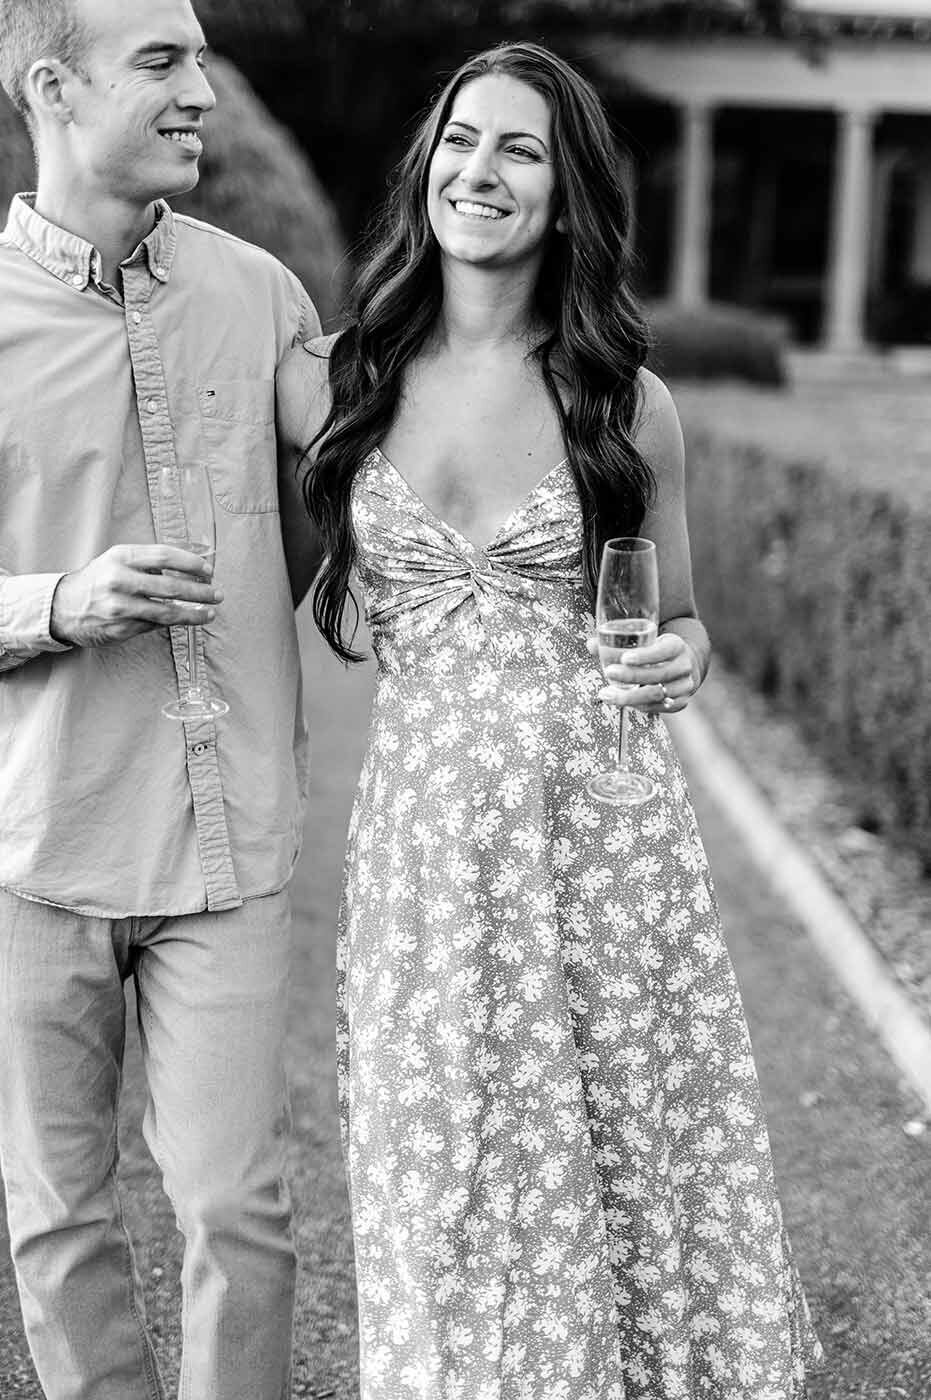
[(124, 592)]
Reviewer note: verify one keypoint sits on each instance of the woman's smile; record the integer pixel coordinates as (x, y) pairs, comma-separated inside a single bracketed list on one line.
[(473, 209), (492, 165)]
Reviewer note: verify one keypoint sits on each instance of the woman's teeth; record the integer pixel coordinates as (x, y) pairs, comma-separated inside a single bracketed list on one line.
[(481, 211)]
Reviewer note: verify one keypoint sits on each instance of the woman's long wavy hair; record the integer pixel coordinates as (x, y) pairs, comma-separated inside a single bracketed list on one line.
[(595, 344)]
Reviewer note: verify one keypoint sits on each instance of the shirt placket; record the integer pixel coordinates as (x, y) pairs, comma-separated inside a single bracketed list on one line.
[(213, 840)]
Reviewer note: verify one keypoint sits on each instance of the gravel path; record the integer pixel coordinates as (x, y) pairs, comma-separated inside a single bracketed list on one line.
[(855, 1184)]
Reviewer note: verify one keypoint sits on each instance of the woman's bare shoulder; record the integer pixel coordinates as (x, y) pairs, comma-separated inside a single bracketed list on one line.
[(657, 407), (658, 432)]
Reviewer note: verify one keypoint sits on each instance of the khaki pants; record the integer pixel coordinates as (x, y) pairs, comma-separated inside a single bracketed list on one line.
[(211, 994)]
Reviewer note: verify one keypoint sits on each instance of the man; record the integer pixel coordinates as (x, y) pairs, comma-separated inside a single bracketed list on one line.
[(132, 845)]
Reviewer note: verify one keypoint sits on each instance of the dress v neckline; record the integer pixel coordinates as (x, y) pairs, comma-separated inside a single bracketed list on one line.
[(451, 529)]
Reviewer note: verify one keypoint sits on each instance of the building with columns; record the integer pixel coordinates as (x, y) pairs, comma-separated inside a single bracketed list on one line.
[(784, 161)]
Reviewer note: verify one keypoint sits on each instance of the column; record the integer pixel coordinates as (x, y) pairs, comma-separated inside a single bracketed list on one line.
[(693, 206), (848, 271)]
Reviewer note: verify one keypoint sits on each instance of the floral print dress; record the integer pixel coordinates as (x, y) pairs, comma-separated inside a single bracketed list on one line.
[(559, 1170)]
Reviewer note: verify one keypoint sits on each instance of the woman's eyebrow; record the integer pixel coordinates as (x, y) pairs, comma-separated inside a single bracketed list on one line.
[(505, 135), (522, 136)]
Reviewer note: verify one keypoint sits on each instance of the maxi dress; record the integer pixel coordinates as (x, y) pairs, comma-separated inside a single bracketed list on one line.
[(558, 1164)]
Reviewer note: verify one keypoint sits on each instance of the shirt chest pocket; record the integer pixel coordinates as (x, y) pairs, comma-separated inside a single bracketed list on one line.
[(238, 423)]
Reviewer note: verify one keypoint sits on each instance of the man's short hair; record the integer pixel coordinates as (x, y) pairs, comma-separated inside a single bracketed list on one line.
[(33, 29)]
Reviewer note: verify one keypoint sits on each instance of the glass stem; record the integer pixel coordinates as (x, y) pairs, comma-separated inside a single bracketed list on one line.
[(193, 660), (622, 739)]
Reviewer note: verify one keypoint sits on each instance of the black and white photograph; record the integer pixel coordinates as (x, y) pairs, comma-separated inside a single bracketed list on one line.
[(465, 700)]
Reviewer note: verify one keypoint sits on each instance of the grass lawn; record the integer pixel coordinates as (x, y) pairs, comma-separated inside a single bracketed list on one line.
[(873, 434)]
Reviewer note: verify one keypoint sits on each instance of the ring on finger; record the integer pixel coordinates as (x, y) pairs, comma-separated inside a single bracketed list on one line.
[(667, 701)]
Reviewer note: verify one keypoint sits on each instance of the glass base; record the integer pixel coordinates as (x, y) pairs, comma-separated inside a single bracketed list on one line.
[(189, 708), (621, 788)]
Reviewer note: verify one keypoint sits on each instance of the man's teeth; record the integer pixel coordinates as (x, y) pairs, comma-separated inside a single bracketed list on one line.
[(190, 138), (483, 211)]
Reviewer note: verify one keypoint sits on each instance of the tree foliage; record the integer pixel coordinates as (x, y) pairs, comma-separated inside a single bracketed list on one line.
[(17, 166), (236, 17), (258, 183)]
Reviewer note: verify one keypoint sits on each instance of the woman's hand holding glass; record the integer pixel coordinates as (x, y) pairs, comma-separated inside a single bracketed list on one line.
[(659, 678)]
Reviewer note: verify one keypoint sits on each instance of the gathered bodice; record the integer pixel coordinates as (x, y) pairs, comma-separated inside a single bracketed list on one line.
[(435, 600)]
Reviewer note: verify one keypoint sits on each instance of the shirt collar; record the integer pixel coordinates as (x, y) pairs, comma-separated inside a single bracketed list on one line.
[(74, 261)]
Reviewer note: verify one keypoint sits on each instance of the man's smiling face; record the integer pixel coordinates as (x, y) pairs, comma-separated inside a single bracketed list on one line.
[(136, 124)]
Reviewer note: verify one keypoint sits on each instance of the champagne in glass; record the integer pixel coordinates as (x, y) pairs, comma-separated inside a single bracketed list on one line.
[(614, 638), (185, 518), (626, 616)]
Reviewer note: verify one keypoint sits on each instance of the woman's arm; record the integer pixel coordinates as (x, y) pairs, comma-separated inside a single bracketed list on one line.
[(659, 438), (302, 403), (678, 660)]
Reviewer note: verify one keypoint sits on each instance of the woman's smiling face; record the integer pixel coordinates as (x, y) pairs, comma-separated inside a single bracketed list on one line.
[(491, 188)]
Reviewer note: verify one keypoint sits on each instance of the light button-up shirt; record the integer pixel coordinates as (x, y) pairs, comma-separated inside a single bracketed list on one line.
[(106, 806)]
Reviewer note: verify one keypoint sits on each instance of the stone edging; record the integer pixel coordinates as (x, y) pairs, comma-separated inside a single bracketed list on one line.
[(823, 915)]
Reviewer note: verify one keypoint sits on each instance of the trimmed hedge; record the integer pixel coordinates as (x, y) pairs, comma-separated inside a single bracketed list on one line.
[(255, 181), (17, 167), (716, 342), (818, 591)]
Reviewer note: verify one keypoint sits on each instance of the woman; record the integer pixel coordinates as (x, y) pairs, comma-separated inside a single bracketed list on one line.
[(560, 1178)]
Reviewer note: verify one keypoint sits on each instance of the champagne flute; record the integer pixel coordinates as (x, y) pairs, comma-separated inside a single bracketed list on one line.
[(626, 616), (185, 518)]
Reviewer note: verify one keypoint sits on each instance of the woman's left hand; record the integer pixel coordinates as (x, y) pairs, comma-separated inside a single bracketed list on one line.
[(660, 678)]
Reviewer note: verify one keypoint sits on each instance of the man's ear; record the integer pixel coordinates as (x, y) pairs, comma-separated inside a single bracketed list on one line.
[(47, 87)]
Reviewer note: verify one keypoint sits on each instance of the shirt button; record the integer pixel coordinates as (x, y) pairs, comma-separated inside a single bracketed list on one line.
[(151, 405), (137, 318), (161, 271), (77, 280)]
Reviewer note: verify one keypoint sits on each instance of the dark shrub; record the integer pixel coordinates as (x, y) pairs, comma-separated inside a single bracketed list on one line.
[(17, 167), (256, 182), (818, 590), (716, 342)]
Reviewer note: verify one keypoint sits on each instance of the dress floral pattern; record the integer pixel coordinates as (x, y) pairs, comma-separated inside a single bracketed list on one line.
[(559, 1170)]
